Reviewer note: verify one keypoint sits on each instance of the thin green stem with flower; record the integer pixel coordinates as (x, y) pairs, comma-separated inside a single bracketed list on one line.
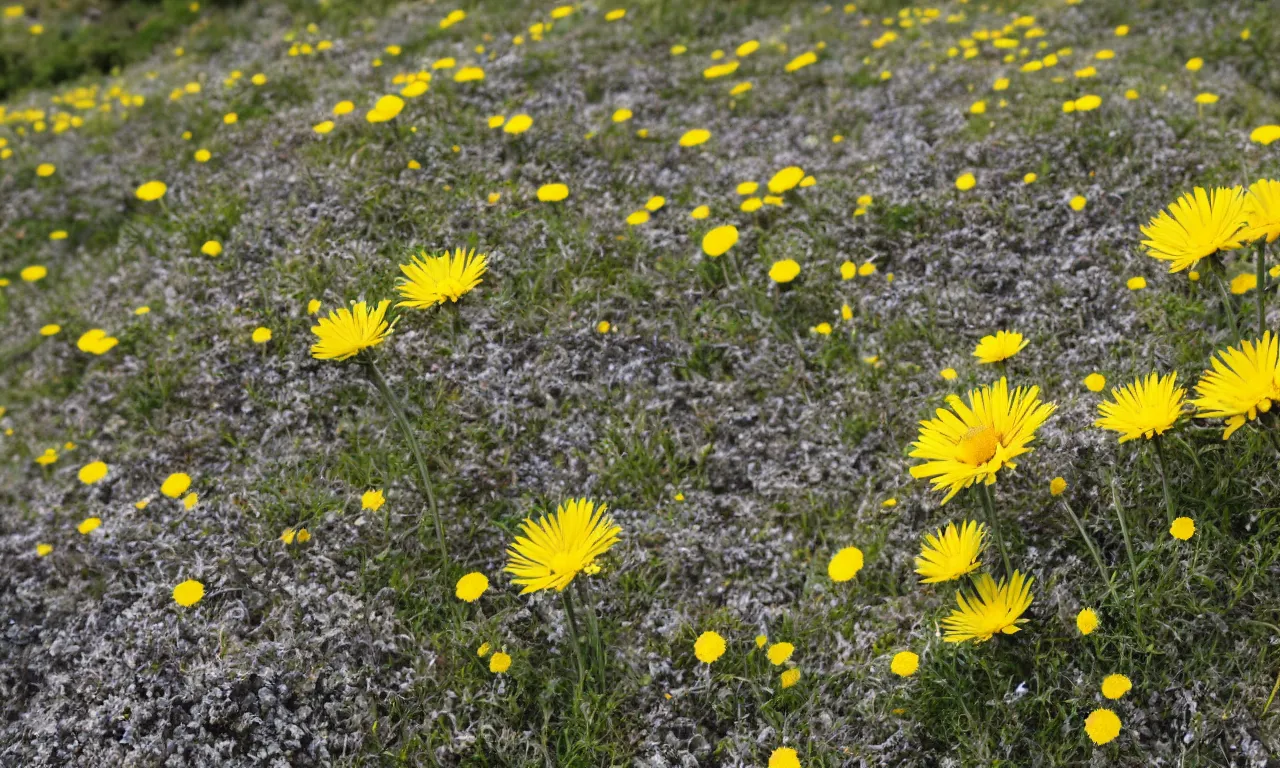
[(1128, 546), (1262, 286), (1093, 550), (566, 596), (1164, 477), (407, 429), (988, 506)]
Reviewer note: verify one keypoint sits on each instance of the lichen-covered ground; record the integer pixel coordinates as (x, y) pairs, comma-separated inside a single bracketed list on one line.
[(737, 446)]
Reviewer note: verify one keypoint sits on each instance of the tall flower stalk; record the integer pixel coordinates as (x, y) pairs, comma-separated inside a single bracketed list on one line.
[(346, 333), (406, 429)]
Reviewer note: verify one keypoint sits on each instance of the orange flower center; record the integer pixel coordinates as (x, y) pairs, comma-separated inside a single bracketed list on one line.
[(978, 445)]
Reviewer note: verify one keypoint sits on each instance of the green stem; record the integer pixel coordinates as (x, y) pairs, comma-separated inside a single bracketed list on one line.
[(1262, 287), (1128, 546), (593, 631), (1164, 477), (1093, 550), (1272, 697), (988, 505), (567, 596), (1226, 301), (407, 430)]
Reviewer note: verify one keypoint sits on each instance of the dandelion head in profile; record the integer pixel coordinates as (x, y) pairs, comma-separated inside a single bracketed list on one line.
[(471, 586), (1262, 211), (557, 547), (1146, 408), (999, 347), (845, 564), (951, 553), (1086, 621), (1244, 382), (151, 191), (347, 332), (994, 608), (1199, 224), (972, 443), (430, 280)]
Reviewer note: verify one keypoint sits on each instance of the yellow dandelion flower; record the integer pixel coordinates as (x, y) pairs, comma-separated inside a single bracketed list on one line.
[(470, 587), (1115, 686), (1243, 283), (845, 564), (1244, 382), (1094, 382), (188, 593), (784, 271), (694, 137), (499, 663), (288, 535), (994, 608), (43, 549), (176, 484), (430, 280), (553, 550), (552, 193), (708, 647), (785, 179), (1102, 725), (778, 653), (1262, 211), (483, 650), (1146, 408), (92, 473), (789, 677), (1265, 134), (1002, 346), (1086, 621), (719, 240), (261, 335), (966, 182), (1182, 528), (973, 443), (151, 191), (951, 553), (1056, 486), (1197, 225), (904, 664), (33, 273), (784, 757), (89, 525), (190, 500), (346, 332)]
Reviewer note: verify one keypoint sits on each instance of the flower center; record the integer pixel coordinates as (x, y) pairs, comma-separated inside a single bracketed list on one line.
[(978, 445), (563, 563)]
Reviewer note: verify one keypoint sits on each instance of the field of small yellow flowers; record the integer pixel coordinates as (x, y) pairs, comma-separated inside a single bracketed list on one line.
[(650, 383)]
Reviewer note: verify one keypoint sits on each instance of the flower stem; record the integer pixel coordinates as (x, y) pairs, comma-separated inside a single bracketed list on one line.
[(407, 430), (1262, 286), (567, 596), (1226, 302), (988, 506), (1164, 477), (1128, 546), (596, 645), (1093, 550)]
